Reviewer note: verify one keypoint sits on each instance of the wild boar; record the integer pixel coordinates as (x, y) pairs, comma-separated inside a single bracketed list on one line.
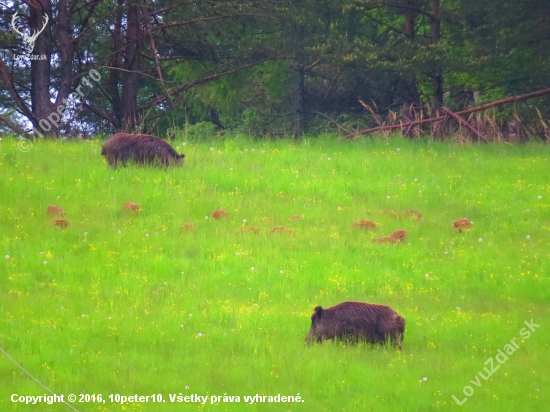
[(140, 149), (357, 321)]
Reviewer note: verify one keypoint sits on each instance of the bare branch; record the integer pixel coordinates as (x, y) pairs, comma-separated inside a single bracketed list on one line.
[(13, 126), (197, 82), (157, 64), (99, 112), (22, 106), (461, 113), (203, 19), (464, 123)]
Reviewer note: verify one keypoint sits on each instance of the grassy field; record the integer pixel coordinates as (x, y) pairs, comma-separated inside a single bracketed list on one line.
[(122, 303)]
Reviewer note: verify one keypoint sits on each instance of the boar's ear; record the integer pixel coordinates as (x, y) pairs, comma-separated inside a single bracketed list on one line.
[(318, 310)]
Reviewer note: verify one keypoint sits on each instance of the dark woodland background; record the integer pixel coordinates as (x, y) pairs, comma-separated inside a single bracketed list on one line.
[(274, 67)]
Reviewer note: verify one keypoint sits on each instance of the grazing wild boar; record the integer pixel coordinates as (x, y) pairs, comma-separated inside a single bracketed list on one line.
[(140, 149), (357, 321)]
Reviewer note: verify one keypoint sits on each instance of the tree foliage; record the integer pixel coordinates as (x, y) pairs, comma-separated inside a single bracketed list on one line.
[(276, 67)]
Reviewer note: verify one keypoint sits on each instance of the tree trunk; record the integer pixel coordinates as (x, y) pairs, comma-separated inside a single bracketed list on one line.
[(40, 69), (128, 101), (66, 51), (438, 69), (115, 62), (301, 111), (215, 118), (411, 95), (298, 66)]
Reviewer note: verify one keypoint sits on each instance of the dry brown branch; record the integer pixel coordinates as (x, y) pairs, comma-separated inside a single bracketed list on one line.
[(545, 128), (464, 123), (460, 113)]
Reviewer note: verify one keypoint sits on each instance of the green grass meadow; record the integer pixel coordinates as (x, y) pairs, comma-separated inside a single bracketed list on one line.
[(122, 303)]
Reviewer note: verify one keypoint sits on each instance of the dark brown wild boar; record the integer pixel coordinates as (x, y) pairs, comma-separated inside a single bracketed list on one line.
[(357, 321), (140, 149)]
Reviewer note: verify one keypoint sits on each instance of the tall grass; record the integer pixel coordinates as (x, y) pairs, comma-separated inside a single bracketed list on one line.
[(132, 304)]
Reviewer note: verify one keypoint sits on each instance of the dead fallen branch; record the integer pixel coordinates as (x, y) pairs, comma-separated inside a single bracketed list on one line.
[(460, 113), (464, 123)]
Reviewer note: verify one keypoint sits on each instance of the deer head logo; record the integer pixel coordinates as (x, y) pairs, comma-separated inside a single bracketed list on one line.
[(28, 40)]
